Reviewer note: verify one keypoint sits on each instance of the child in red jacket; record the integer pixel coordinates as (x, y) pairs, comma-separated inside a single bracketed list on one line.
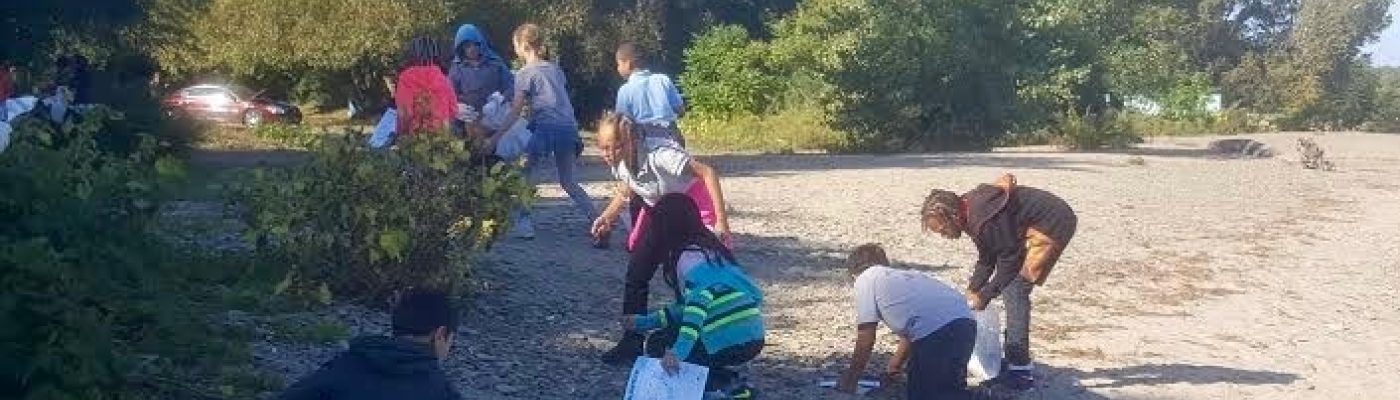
[(423, 96)]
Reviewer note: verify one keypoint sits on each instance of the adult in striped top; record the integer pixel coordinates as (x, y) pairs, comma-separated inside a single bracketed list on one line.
[(717, 320)]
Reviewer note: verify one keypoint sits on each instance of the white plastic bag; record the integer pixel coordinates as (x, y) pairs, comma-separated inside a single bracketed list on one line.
[(384, 131), (18, 106), (514, 142), (494, 112), (986, 353), (4, 136)]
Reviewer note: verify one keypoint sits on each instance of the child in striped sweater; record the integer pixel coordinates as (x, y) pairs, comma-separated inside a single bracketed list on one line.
[(717, 320)]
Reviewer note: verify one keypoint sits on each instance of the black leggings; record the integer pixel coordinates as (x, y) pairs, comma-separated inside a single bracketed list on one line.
[(641, 266), (938, 362)]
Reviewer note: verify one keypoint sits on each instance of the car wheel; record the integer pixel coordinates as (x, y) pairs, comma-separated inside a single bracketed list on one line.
[(252, 118)]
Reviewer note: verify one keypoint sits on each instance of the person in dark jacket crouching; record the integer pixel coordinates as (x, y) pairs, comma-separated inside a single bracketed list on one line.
[(1019, 232), (403, 366)]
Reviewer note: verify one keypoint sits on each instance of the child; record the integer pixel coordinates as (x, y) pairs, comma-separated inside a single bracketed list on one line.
[(404, 366), (1020, 233), (717, 321), (541, 84), (935, 327), (477, 70), (651, 169), (423, 97), (649, 99)]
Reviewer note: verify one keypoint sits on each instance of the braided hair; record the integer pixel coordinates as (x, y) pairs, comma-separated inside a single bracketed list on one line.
[(423, 51), (673, 226), (943, 208)]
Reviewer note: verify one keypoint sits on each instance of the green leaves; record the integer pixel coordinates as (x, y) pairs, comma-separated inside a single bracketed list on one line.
[(366, 224), (394, 243)]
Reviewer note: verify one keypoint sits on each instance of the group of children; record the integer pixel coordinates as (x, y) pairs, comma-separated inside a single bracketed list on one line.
[(680, 227)]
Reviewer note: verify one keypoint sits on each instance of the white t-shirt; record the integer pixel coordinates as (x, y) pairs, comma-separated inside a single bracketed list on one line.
[(665, 169), (911, 303)]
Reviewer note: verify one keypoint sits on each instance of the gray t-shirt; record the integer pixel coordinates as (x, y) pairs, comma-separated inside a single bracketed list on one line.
[(665, 168), (543, 85), (913, 304)]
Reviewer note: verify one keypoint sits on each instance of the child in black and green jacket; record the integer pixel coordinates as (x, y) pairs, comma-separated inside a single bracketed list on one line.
[(717, 321)]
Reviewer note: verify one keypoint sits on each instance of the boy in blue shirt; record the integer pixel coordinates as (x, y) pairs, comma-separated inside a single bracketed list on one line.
[(649, 99)]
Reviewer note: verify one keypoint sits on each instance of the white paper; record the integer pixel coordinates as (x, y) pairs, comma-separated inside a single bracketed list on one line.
[(649, 381), (863, 387)]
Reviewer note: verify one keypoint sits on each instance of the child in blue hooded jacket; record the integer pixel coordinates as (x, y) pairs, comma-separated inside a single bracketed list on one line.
[(717, 320), (477, 70)]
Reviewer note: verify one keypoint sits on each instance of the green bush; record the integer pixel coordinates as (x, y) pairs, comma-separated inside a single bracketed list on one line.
[(363, 224), (95, 306), (1093, 131), (928, 76), (726, 74)]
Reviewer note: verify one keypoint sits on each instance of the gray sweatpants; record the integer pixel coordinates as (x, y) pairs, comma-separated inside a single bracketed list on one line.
[(1017, 298)]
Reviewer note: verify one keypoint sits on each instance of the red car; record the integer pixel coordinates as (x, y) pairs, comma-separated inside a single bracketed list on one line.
[(230, 104)]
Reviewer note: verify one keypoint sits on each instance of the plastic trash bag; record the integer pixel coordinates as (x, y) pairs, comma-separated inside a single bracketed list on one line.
[(986, 353), (494, 112), (514, 142), (384, 131), (19, 106), (4, 136)]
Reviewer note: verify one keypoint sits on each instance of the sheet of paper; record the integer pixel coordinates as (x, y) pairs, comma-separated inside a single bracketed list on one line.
[(863, 386), (651, 382)]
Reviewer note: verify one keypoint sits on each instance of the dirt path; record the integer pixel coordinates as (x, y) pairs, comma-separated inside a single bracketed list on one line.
[(1192, 277)]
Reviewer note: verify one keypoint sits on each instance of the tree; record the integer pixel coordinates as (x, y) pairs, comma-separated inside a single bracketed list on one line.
[(946, 84)]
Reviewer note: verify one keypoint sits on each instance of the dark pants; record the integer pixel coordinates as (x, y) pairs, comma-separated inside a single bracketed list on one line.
[(1017, 297), (641, 266), (938, 362), (720, 377)]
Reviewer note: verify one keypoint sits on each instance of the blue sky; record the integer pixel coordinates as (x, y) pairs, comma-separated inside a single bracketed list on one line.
[(1386, 51)]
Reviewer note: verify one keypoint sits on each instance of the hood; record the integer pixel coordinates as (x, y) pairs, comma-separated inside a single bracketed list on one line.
[(469, 33), (984, 203), (393, 356)]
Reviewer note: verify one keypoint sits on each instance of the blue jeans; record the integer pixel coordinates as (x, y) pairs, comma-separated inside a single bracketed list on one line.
[(562, 143)]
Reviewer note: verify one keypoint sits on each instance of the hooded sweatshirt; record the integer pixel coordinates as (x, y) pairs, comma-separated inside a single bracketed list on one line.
[(997, 223), (424, 100), (719, 307), (377, 368), (474, 84)]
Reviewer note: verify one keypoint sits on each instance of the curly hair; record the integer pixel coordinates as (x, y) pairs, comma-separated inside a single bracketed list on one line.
[(942, 206)]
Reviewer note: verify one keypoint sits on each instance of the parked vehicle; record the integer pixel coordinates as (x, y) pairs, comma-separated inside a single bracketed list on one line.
[(230, 104)]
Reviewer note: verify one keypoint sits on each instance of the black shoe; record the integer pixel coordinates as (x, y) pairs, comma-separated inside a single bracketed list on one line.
[(658, 342), (1012, 381), (625, 352)]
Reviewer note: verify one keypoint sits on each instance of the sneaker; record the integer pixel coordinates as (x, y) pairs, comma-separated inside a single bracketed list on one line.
[(743, 392), (625, 352), (1015, 381)]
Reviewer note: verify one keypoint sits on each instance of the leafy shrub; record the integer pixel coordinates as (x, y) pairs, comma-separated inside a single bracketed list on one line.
[(1092, 131), (726, 74), (286, 135), (947, 85), (95, 306), (364, 224)]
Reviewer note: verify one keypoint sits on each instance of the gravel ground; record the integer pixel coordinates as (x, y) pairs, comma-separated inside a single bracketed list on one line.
[(1193, 276)]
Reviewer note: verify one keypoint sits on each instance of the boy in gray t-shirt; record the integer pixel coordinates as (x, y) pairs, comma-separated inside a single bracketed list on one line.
[(934, 324)]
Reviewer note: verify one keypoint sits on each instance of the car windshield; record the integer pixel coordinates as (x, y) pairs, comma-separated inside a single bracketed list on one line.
[(243, 93)]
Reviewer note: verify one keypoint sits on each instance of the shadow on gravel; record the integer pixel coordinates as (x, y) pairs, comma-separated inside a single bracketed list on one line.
[(1165, 374)]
